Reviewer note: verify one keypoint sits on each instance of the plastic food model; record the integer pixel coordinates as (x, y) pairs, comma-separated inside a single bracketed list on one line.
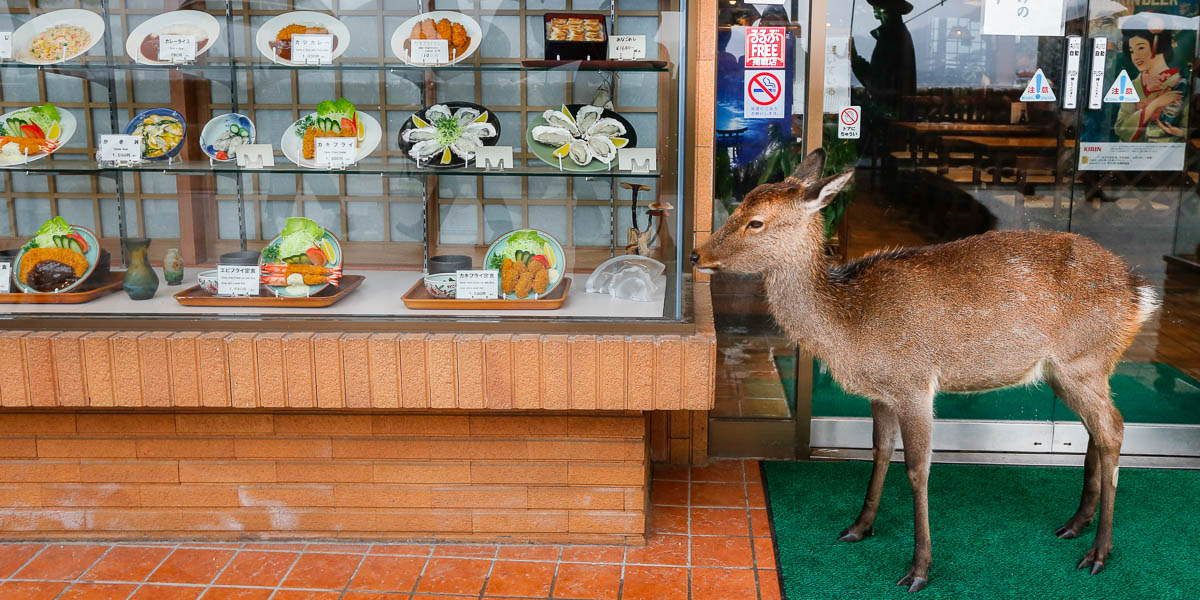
[(527, 265), (445, 29), (575, 29), (282, 44), (27, 132), (54, 259), (160, 134), (227, 142), (582, 137), (58, 41), (333, 119), (441, 135), (300, 259)]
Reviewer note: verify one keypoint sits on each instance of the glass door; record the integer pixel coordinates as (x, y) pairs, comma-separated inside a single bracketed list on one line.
[(982, 115)]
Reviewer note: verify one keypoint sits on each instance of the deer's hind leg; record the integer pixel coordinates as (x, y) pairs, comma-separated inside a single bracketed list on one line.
[(883, 442), (1087, 393), (916, 430)]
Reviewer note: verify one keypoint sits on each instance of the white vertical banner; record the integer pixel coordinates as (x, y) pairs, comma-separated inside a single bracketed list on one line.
[(1071, 83), (1096, 84), (837, 74)]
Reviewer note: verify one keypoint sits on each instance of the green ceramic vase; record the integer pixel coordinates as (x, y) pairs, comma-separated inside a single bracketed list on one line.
[(140, 280)]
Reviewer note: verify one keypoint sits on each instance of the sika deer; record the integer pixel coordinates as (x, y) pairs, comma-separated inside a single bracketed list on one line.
[(990, 311)]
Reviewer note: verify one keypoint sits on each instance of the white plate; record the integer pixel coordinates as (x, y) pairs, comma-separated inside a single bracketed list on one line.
[(405, 29), (201, 21), (308, 18), (291, 143), (66, 125), (23, 36)]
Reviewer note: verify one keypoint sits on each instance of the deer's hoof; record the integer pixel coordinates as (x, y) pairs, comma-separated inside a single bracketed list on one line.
[(1093, 559), (915, 584), (1097, 567), (853, 536), (1066, 533)]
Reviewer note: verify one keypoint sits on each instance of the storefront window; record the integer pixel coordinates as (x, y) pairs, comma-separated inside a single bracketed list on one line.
[(397, 198)]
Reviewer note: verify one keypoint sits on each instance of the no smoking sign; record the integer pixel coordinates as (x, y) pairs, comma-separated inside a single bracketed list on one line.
[(849, 123), (764, 94)]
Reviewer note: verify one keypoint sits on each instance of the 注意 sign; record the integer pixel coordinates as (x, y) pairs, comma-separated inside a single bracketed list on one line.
[(765, 47)]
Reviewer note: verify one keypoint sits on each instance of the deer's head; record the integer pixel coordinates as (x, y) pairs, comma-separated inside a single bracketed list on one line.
[(774, 222)]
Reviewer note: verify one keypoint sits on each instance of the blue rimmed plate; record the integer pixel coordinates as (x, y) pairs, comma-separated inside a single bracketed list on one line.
[(335, 261), (91, 255), (551, 249)]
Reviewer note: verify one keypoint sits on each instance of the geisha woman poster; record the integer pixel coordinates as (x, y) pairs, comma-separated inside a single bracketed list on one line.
[(1153, 43)]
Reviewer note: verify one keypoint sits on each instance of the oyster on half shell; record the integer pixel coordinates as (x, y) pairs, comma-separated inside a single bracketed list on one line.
[(607, 126), (444, 133), (552, 136), (561, 118), (602, 148)]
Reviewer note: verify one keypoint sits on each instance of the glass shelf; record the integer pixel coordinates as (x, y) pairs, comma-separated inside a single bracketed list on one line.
[(395, 167), (341, 65)]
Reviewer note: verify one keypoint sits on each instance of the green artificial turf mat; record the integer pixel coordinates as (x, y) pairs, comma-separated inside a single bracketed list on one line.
[(992, 529), (1144, 392)]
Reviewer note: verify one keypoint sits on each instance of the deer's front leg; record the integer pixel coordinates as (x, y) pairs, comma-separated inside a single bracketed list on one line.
[(883, 442), (916, 428)]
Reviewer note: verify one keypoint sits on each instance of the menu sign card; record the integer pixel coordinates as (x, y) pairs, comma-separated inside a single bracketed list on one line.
[(177, 48), (309, 48), (429, 52), (5, 44), (336, 152), (627, 47), (5, 277), (120, 149), (238, 280), (477, 285)]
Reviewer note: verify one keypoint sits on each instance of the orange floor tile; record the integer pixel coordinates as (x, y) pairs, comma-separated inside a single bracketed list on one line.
[(709, 539)]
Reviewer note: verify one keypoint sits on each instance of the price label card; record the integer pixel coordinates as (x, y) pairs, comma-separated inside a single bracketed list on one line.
[(637, 160), (309, 48), (477, 285), (238, 280), (336, 152), (177, 48), (429, 52), (5, 44), (5, 277), (255, 156), (627, 47), (494, 157), (120, 149)]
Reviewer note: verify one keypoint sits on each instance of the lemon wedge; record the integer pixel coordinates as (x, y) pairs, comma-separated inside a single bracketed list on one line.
[(54, 132), (567, 112), (548, 252), (562, 151), (419, 122), (482, 118), (619, 142), (359, 129), (446, 156), (327, 250)]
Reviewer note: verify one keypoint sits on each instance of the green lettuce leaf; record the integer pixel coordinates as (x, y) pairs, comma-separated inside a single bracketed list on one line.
[(44, 238)]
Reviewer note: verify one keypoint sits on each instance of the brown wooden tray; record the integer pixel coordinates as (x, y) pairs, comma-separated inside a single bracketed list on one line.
[(108, 285), (418, 298), (194, 296), (615, 65)]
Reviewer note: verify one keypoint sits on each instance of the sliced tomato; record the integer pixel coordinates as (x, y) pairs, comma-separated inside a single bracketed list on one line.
[(222, 155), (542, 259), (348, 129), (31, 130), (315, 256), (78, 238)]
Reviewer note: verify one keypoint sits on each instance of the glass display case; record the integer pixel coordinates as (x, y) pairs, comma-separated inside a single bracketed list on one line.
[(371, 124)]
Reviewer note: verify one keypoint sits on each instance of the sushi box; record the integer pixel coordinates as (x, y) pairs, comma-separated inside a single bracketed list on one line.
[(576, 36)]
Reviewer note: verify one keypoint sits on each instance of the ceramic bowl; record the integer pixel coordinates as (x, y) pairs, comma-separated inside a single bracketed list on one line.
[(208, 281), (131, 126), (441, 285), (449, 263), (215, 128)]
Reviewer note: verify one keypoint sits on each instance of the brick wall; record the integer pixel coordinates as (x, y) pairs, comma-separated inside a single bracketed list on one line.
[(270, 474)]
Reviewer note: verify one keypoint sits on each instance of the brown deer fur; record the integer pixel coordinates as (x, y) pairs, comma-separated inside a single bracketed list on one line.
[(995, 310)]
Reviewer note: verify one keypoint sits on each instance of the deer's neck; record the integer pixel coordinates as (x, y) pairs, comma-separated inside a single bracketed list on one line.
[(805, 303)]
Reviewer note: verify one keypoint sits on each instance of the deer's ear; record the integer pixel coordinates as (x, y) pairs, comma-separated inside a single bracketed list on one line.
[(809, 171), (820, 194)]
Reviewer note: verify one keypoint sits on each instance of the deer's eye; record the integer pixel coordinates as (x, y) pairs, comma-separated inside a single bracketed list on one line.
[(755, 224)]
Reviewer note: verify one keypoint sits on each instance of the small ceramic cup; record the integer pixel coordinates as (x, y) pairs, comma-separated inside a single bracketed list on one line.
[(441, 285), (208, 281)]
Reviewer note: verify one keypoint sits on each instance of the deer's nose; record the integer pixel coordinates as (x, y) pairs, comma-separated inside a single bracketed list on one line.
[(695, 257)]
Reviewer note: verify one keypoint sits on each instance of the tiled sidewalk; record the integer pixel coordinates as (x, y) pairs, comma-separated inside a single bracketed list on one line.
[(710, 541)]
